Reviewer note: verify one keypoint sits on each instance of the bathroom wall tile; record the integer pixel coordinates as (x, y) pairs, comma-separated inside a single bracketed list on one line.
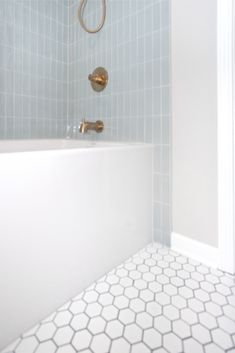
[(157, 216), (165, 44), (157, 156), (33, 67), (165, 13), (166, 125), (166, 219), (157, 187), (165, 160), (158, 234), (165, 98), (165, 71), (165, 184)]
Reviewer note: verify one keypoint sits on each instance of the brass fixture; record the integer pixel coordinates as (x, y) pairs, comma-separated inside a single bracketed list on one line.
[(99, 79), (86, 126)]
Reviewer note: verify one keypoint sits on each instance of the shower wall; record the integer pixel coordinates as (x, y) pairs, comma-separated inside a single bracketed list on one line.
[(33, 68), (133, 46)]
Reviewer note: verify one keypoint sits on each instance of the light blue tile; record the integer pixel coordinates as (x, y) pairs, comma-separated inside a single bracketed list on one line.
[(165, 13), (165, 71), (157, 216), (148, 129), (166, 219), (157, 159), (156, 94), (157, 188), (165, 160), (156, 45), (166, 130), (2, 127), (165, 185), (166, 100), (156, 11), (158, 236), (165, 45)]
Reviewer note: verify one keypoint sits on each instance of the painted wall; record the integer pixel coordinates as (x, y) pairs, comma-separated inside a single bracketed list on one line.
[(33, 68), (194, 117), (134, 47)]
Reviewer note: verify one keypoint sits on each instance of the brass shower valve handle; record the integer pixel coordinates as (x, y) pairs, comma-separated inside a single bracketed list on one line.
[(99, 79)]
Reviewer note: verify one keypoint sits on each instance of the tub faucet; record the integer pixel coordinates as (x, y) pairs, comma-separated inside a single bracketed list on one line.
[(86, 126)]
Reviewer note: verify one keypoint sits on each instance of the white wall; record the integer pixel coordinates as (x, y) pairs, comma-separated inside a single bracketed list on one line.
[(194, 109), (234, 116)]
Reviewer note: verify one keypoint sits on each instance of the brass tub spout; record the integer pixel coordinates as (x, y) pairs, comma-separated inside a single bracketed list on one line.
[(86, 126)]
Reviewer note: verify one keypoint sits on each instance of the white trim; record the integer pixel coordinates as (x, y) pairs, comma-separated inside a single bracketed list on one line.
[(225, 134), (233, 99), (201, 252)]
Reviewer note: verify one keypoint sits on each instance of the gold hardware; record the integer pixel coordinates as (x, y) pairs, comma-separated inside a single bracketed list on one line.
[(99, 79), (86, 126)]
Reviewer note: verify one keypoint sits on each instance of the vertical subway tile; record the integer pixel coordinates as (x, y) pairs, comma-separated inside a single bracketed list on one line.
[(157, 216), (31, 40), (165, 78), (158, 188)]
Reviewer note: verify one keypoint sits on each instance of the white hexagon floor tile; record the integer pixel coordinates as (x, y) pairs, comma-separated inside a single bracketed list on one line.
[(156, 302)]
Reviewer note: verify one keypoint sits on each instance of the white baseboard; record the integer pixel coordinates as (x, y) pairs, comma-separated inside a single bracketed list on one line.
[(201, 252)]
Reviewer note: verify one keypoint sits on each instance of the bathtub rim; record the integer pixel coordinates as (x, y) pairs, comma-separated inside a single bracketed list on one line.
[(93, 147)]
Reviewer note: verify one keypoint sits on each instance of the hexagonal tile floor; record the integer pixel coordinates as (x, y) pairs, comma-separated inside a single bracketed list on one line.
[(157, 301)]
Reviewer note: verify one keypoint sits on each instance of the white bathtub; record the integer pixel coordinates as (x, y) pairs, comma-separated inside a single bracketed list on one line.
[(69, 212)]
